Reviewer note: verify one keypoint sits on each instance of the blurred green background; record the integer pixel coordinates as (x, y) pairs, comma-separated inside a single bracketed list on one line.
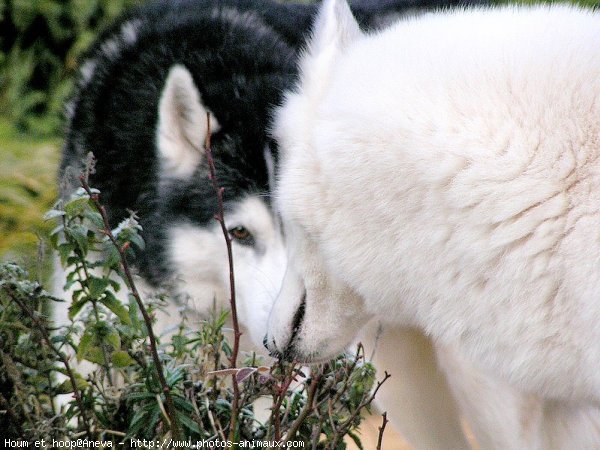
[(40, 44)]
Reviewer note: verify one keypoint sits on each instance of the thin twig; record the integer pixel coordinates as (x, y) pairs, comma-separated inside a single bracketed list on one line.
[(162, 409), (281, 394), (210, 417), (316, 432), (85, 288), (114, 432), (42, 329), (381, 430), (348, 423), (220, 217), (334, 429), (170, 405), (138, 359), (306, 410), (346, 385)]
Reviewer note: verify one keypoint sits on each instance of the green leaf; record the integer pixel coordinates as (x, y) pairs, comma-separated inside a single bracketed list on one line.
[(112, 303), (79, 233), (94, 354), (356, 440), (66, 386), (97, 286), (146, 418), (112, 256), (84, 344), (121, 358), (182, 404), (141, 396), (76, 207), (57, 230), (137, 240), (175, 376), (137, 422), (115, 285), (64, 250), (188, 423), (95, 218), (114, 339), (76, 306)]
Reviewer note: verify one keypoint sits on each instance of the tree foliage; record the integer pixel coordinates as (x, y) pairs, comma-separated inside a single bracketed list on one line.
[(40, 42)]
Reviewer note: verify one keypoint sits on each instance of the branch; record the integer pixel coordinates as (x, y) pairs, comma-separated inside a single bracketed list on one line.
[(346, 385), (220, 217), (43, 330), (306, 410), (281, 394), (170, 406), (381, 430), (348, 423), (82, 262)]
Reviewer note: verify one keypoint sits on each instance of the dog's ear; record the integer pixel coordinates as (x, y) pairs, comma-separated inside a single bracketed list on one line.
[(333, 30), (182, 125)]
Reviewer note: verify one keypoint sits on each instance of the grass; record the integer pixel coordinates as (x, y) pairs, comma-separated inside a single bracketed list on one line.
[(28, 168)]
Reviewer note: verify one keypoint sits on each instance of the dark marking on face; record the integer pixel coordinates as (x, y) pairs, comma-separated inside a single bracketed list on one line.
[(289, 354)]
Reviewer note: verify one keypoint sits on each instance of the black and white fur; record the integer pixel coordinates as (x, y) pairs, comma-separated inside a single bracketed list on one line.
[(140, 106)]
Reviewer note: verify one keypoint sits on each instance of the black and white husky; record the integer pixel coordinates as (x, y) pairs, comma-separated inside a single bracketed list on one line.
[(140, 106)]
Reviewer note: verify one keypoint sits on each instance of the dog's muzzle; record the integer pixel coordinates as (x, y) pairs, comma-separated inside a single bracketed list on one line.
[(289, 351)]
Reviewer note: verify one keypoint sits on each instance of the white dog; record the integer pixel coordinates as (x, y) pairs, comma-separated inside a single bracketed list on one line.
[(444, 174)]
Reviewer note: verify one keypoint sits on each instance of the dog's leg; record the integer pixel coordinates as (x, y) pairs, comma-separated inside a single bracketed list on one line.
[(416, 397), (501, 417), (569, 426)]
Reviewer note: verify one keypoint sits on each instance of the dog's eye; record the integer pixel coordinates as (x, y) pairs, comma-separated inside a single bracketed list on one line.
[(242, 235)]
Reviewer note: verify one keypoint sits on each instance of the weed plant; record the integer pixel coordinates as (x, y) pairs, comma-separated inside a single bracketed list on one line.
[(181, 386)]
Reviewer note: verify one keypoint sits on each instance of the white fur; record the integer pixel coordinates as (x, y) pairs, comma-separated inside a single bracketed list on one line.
[(417, 398), (443, 174), (113, 47), (87, 71), (129, 31), (182, 125), (243, 20), (199, 257)]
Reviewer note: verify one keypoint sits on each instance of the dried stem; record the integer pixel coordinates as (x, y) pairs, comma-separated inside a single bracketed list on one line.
[(381, 430), (348, 423), (316, 433), (170, 406), (308, 407), (85, 288), (360, 349), (44, 331), (281, 393), (220, 217)]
